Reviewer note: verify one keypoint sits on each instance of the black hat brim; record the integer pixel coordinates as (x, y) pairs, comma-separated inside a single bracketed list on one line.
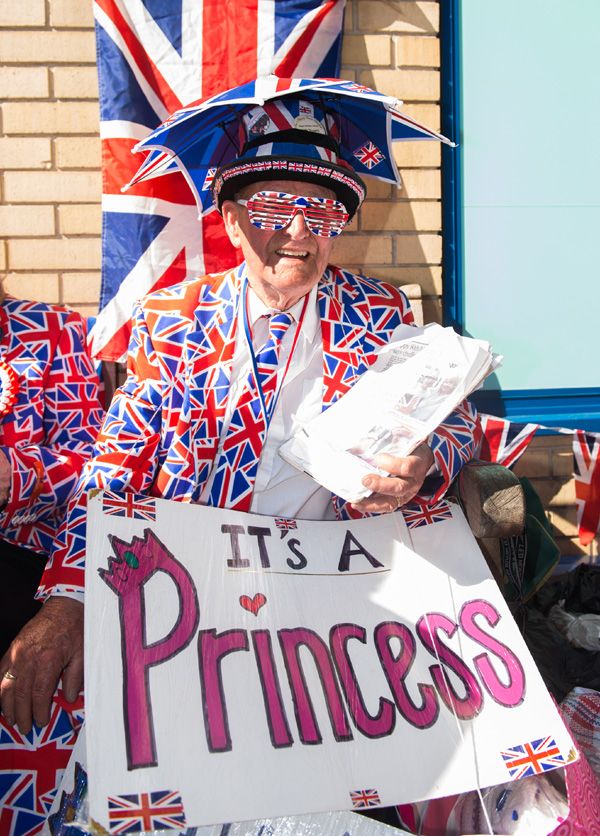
[(345, 183)]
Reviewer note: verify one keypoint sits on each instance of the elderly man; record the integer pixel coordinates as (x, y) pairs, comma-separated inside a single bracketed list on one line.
[(224, 368)]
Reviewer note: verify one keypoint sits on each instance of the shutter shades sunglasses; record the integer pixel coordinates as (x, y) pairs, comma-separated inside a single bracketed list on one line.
[(275, 210)]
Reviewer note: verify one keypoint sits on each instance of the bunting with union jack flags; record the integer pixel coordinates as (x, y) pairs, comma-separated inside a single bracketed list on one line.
[(504, 442), (155, 56), (586, 471)]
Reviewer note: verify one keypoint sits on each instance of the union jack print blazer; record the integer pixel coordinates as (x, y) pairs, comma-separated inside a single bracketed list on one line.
[(162, 430), (49, 432)]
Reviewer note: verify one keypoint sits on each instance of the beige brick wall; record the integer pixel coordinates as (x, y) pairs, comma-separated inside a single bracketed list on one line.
[(50, 173), (394, 47), (49, 152)]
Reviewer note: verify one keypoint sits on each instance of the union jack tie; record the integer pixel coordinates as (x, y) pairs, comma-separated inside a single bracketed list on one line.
[(237, 465)]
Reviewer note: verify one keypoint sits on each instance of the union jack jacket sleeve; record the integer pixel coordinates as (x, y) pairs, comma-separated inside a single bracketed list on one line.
[(124, 460), (53, 424), (454, 443)]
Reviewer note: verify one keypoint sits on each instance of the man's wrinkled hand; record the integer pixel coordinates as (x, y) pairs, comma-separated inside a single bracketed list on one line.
[(48, 647), (391, 492)]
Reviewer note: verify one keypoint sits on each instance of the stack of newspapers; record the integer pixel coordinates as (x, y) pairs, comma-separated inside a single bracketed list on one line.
[(415, 383)]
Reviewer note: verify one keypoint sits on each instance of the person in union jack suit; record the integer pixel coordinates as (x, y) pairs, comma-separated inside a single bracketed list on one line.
[(50, 415), (222, 369)]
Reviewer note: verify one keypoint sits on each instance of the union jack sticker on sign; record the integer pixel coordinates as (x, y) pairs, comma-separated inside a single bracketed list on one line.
[(143, 811), (285, 523), (129, 505), (533, 758), (427, 515), (364, 798)]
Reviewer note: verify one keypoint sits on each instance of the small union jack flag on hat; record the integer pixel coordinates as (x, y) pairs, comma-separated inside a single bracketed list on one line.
[(533, 758), (364, 798), (369, 155), (210, 176)]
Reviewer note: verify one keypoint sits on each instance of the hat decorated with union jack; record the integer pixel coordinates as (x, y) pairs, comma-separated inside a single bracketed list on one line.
[(289, 139)]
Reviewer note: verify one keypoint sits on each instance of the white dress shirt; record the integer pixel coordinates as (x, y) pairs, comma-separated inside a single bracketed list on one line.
[(280, 489)]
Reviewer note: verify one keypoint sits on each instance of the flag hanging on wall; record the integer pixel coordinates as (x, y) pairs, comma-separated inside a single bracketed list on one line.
[(154, 56), (586, 471)]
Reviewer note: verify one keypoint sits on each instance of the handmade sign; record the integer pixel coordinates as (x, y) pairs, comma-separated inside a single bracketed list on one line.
[(241, 667), (69, 814)]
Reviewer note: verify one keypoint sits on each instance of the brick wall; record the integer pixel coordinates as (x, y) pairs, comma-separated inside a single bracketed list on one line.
[(50, 182), (394, 47), (49, 152)]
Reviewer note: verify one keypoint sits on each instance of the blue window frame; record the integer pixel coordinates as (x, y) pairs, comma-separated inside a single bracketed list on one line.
[(516, 44)]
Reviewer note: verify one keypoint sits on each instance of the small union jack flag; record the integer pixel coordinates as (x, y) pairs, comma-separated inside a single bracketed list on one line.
[(357, 88), (285, 523), (369, 155), (129, 505), (425, 515), (143, 811), (533, 758), (586, 471), (364, 798), (210, 176), (504, 442)]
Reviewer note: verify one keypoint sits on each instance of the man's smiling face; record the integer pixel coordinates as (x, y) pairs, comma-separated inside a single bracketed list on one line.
[(283, 265)]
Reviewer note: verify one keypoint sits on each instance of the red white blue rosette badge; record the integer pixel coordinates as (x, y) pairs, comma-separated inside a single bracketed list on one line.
[(9, 387)]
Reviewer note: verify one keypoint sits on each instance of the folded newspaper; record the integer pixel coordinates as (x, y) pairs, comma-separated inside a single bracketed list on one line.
[(415, 383)]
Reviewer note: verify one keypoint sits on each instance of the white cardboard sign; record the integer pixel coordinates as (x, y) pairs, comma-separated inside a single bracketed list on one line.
[(242, 667)]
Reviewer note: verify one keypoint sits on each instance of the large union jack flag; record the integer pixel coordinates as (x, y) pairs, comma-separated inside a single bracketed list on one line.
[(154, 56), (586, 455)]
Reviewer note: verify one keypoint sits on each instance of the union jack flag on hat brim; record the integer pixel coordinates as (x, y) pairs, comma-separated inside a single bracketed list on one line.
[(152, 59)]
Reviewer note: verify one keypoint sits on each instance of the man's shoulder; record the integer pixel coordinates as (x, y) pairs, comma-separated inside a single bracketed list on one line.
[(373, 291), (182, 299), (24, 317)]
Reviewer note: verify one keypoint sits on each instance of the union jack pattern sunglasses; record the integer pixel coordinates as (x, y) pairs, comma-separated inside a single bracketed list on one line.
[(275, 210)]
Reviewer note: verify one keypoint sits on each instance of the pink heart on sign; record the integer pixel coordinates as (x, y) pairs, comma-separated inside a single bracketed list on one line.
[(253, 604)]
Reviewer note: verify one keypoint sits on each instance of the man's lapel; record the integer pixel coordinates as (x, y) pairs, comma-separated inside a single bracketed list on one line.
[(204, 390), (342, 328)]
